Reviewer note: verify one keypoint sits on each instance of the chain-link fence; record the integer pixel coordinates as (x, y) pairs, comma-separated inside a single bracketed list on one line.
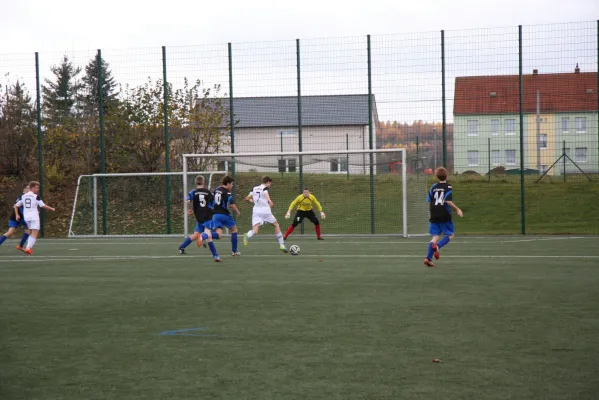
[(512, 113)]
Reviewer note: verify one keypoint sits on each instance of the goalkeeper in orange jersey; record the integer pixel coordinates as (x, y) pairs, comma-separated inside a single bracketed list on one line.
[(303, 203)]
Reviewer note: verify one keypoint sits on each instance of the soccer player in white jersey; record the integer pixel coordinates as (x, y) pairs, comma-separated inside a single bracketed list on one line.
[(30, 201), (262, 213)]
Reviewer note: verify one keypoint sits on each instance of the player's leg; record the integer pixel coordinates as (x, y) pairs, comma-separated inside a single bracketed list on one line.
[(434, 230), (234, 242), (278, 234), (34, 226), (448, 231), (256, 222), (297, 219), (9, 233), (207, 237), (312, 217), (24, 238), (189, 239)]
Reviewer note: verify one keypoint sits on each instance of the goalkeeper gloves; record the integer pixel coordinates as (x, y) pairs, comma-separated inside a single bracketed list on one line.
[(288, 215), (322, 215)]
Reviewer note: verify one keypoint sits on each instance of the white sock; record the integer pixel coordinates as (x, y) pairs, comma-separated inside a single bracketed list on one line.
[(280, 238), (30, 242), (250, 234)]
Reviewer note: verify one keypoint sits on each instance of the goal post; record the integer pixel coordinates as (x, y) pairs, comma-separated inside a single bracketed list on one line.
[(135, 204), (363, 192)]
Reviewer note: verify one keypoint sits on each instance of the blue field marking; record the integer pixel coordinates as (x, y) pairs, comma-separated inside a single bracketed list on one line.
[(184, 332)]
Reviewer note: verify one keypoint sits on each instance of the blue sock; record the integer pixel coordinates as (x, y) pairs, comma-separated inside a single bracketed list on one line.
[(212, 249), (186, 243), (429, 255), (215, 235), (234, 242), (24, 239), (204, 236), (2, 239), (444, 241)]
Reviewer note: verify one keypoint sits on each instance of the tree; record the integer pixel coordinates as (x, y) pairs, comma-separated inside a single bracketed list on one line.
[(17, 129), (60, 96), (91, 97)]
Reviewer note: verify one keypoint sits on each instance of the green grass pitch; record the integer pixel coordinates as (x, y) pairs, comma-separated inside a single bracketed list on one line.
[(350, 318)]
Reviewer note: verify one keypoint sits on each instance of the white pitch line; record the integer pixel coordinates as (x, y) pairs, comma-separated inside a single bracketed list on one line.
[(206, 257), (539, 239)]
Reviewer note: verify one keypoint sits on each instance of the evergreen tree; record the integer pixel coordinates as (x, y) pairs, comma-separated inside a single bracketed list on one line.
[(60, 96), (91, 97)]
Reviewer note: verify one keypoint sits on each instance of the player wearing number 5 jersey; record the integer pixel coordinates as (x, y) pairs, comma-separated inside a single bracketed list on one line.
[(440, 201), (199, 201), (30, 202), (222, 203), (262, 213), (13, 224)]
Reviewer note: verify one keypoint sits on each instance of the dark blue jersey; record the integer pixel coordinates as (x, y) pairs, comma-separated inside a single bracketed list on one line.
[(223, 198), (201, 200), (437, 197), (13, 216)]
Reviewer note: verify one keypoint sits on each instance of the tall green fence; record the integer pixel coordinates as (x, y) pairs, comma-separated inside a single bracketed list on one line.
[(511, 112)]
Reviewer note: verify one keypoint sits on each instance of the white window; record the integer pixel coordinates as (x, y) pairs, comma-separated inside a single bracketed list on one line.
[(581, 124), (494, 127), (334, 165), (565, 124), (580, 154), (510, 126), (472, 127), (284, 134), (338, 164), (510, 157), (287, 165), (495, 157), (472, 158), (542, 141)]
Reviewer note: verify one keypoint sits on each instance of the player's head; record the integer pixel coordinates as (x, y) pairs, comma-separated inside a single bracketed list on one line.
[(441, 174), (34, 186), (199, 180), (25, 188), (267, 181), (228, 181), (306, 192)]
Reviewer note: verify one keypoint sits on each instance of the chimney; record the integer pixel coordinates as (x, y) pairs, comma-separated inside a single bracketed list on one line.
[(577, 70), (535, 71)]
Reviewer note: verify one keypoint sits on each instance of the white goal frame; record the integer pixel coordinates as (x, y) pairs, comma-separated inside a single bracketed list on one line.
[(133, 174), (404, 184)]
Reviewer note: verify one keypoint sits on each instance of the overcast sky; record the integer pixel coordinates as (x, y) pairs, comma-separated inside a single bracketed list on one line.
[(406, 67), (61, 25)]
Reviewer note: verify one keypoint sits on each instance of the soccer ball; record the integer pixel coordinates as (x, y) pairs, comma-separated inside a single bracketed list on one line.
[(294, 250)]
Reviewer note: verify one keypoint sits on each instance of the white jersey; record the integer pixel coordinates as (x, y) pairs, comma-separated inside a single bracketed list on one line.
[(30, 203), (260, 201)]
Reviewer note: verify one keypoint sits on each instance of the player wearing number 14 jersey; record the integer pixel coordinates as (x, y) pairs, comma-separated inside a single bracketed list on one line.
[(440, 204)]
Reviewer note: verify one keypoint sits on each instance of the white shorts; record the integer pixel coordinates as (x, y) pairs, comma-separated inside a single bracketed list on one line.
[(33, 224), (262, 218)]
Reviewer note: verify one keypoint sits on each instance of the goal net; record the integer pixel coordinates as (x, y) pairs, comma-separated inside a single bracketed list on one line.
[(132, 204), (363, 192)]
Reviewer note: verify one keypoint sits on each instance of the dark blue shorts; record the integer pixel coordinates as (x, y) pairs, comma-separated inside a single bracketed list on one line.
[(15, 224), (223, 220), (437, 228), (201, 225)]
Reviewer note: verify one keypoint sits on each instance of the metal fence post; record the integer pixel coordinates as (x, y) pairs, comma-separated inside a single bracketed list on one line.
[(102, 144), (299, 120), (521, 95), (167, 164), (231, 114), (40, 155), (489, 156), (370, 136), (598, 93), (443, 98)]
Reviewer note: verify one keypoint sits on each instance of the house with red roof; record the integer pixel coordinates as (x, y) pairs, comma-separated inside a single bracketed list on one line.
[(560, 110)]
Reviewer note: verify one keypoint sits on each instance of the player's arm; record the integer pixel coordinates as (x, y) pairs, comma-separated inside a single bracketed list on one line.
[(293, 204), (318, 206), (43, 205), (267, 197), (232, 205), (249, 198), (17, 205), (460, 213)]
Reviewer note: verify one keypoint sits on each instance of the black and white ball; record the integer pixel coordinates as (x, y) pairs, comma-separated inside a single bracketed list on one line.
[(294, 250)]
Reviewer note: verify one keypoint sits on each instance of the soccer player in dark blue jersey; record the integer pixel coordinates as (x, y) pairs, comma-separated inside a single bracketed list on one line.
[(13, 224), (199, 201), (440, 205), (222, 203)]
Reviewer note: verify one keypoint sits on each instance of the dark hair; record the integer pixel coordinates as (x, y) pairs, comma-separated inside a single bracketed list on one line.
[(199, 180), (33, 184), (227, 179), (441, 173), (266, 179), (306, 189), (25, 186)]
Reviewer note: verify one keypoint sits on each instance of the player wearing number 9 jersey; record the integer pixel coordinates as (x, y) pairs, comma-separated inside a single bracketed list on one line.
[(30, 202), (222, 203), (440, 204)]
